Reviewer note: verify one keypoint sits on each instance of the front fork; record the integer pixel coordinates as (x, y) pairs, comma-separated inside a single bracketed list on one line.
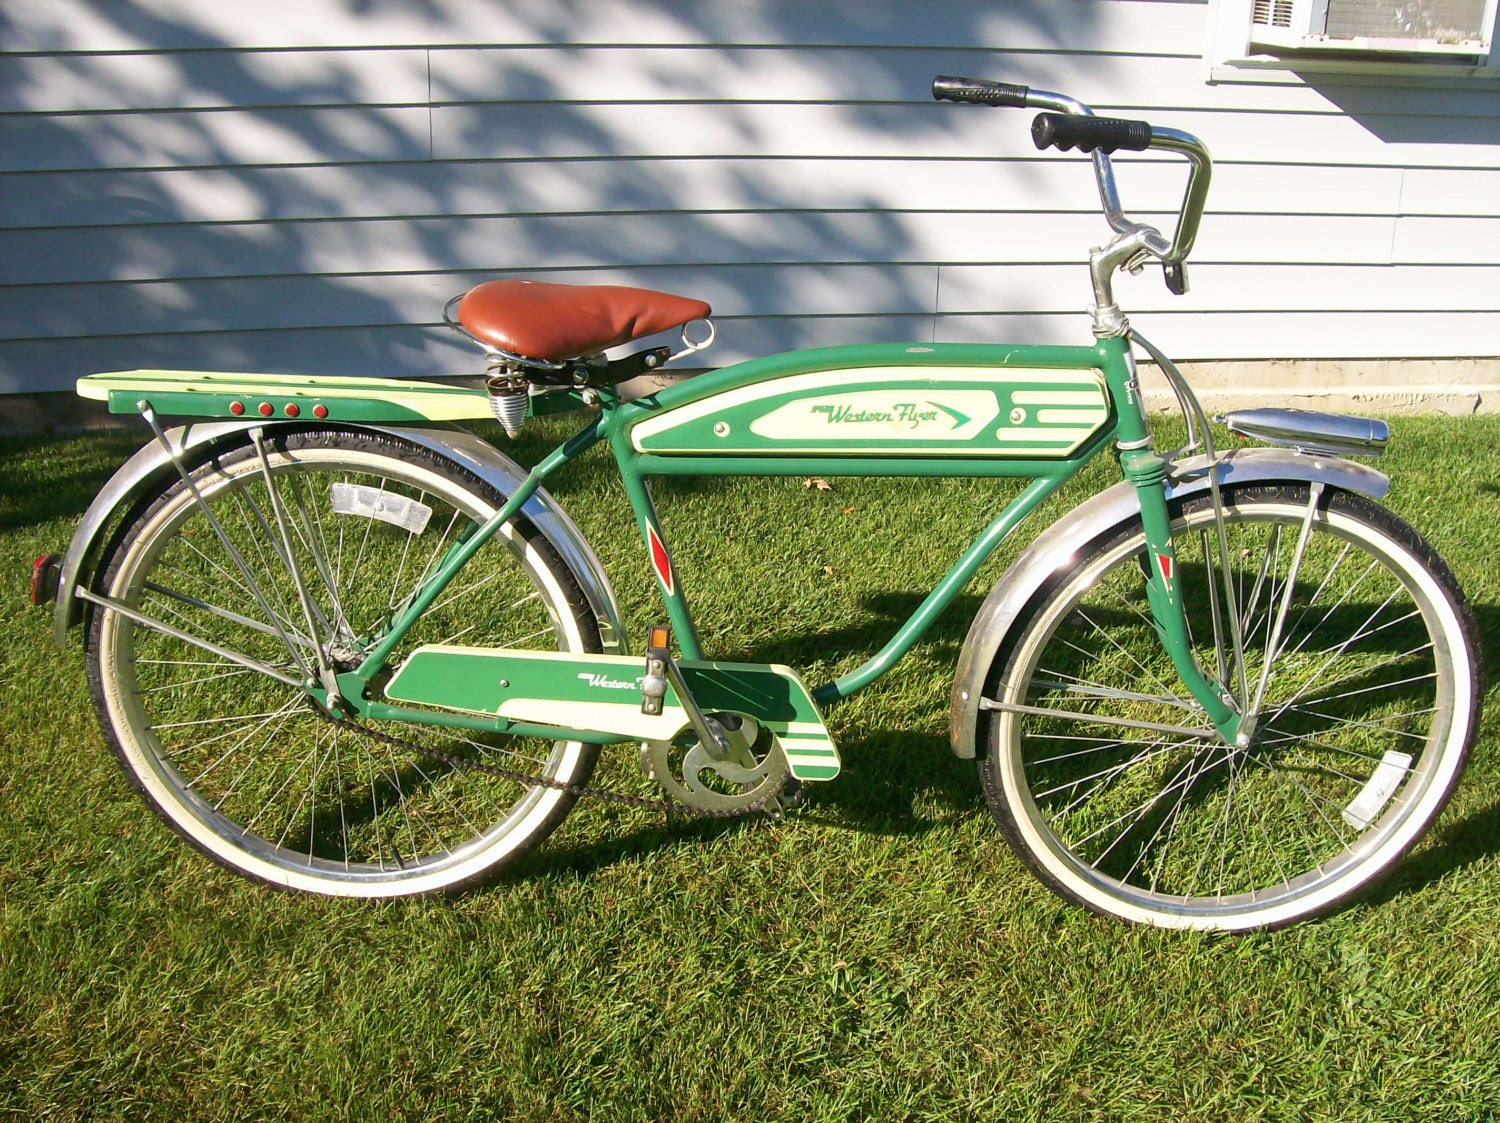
[(1147, 473)]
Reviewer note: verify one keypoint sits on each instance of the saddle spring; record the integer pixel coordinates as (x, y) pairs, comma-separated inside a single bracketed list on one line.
[(510, 395)]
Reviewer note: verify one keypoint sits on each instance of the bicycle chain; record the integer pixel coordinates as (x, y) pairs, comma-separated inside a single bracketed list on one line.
[(666, 806)]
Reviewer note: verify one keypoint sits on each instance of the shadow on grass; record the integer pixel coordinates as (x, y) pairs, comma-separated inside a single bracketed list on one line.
[(893, 777), (889, 774), (894, 783), (1487, 616), (45, 476), (1472, 839), (1454, 847), (886, 613)]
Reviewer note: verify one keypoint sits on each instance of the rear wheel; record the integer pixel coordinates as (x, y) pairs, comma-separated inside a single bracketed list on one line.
[(238, 761), (1112, 783)]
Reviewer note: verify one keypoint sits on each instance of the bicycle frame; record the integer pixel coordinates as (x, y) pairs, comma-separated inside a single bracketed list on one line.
[(1354, 689), (619, 423)]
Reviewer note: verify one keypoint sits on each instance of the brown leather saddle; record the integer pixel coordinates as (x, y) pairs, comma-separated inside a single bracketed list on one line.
[(552, 323)]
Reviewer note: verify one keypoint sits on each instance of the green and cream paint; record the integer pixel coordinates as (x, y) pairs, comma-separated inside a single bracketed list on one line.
[(885, 409), (603, 692), (889, 410)]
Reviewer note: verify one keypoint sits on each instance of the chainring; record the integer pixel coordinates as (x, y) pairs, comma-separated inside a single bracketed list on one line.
[(709, 780)]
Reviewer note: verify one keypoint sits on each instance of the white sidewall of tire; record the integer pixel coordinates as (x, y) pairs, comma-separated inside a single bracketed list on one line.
[(1044, 848), (142, 762)]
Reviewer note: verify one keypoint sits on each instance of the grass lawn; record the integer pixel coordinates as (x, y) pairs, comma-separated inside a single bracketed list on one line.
[(880, 955)]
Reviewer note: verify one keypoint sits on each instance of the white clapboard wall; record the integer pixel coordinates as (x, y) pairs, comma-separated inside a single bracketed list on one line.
[(298, 185)]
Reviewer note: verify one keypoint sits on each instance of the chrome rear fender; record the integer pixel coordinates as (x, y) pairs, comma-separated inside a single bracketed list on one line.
[(151, 467), (1056, 549)]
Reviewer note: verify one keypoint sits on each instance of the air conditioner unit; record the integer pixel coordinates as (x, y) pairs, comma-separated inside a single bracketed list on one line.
[(1426, 27)]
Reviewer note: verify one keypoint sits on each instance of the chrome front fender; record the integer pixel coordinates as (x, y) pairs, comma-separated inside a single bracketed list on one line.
[(151, 467), (1055, 551)]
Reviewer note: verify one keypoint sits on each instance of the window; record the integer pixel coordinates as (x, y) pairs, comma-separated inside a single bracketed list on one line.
[(1420, 38)]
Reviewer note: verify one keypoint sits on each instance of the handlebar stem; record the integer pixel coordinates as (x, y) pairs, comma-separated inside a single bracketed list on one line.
[(1141, 239)]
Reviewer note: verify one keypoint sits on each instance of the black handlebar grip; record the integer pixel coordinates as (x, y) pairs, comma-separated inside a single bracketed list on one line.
[(1107, 134), (978, 91)]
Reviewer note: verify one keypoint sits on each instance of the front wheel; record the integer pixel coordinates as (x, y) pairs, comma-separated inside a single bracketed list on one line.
[(1111, 782), (238, 761)]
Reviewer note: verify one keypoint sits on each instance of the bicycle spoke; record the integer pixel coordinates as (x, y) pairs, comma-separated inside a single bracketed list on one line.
[(308, 757), (1172, 818), (1381, 726), (237, 672), (1384, 686), (1138, 811), (1117, 645), (338, 627), (288, 629), (1304, 739), (259, 534), (1103, 744), (475, 587), (338, 772), (217, 720), (359, 559), (1347, 595), (1342, 678), (499, 750), (411, 833), (309, 799), (1112, 771), (249, 764), (433, 786), (401, 565), (380, 849), (1059, 680), (1273, 635), (1287, 779)]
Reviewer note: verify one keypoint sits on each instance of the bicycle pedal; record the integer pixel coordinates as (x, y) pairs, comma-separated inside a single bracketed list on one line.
[(792, 793), (788, 799), (654, 685)]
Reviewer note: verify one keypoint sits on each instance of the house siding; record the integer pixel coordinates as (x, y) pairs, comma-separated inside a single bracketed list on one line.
[(299, 186)]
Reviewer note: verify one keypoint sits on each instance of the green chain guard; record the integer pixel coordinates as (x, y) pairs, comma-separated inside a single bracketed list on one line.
[(603, 693)]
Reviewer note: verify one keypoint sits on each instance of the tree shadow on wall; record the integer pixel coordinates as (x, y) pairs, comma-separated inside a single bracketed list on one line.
[(182, 195)]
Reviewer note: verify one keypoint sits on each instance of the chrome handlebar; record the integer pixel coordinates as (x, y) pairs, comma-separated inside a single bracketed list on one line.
[(1201, 172), (1190, 214), (1134, 241)]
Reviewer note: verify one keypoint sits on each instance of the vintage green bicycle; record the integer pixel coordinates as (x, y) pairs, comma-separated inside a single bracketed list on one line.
[(345, 646)]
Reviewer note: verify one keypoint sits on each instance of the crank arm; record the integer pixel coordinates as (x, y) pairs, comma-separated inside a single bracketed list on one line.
[(660, 665)]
